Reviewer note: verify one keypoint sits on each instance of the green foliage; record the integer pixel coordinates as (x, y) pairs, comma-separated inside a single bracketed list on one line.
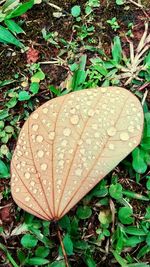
[(23, 96), (4, 172), (7, 37), (68, 245), (36, 261), (116, 211), (125, 215), (75, 11), (105, 217), (119, 2), (58, 264), (42, 251), (12, 9), (79, 75), (113, 23), (138, 161), (84, 212), (29, 241), (141, 155), (115, 191)]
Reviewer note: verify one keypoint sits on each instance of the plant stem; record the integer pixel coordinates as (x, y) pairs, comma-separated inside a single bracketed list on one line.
[(8, 255), (62, 246)]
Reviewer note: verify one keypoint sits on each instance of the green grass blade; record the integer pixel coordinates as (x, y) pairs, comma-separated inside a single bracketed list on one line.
[(21, 9), (9, 257), (134, 195), (7, 37), (13, 26)]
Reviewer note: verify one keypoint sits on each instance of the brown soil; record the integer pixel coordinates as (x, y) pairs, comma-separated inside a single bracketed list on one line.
[(13, 62)]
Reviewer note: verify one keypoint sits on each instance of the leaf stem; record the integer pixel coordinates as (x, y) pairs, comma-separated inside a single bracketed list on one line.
[(62, 245)]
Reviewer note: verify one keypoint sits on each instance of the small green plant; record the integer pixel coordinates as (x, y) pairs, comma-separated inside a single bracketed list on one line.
[(9, 11), (129, 32), (141, 155), (51, 38), (90, 5), (113, 23), (120, 2), (76, 11)]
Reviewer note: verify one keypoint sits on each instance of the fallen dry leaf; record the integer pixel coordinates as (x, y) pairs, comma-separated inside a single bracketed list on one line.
[(69, 144)]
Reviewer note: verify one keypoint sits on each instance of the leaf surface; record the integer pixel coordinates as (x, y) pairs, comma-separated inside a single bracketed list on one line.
[(69, 144)]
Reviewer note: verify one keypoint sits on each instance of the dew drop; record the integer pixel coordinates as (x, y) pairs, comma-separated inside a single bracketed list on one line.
[(80, 142), (35, 191), (45, 110), (43, 166), (131, 129), (104, 89), (64, 143), (82, 151), (59, 182), (17, 190), (89, 141), (39, 138), (97, 135), (88, 92), (19, 153), (35, 115), (111, 146), (32, 183), (61, 156), (78, 171), (40, 153), (27, 199), (35, 127), (111, 131), (44, 182), (33, 136), (67, 131), (104, 106), (91, 112), (74, 119), (95, 126), (61, 163), (130, 144), (18, 166), (72, 110), (27, 175), (124, 136), (69, 193), (51, 135)]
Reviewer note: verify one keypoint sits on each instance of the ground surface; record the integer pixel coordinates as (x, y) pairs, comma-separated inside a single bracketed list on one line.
[(91, 238)]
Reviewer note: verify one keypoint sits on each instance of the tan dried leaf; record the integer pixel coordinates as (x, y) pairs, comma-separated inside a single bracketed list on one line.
[(69, 144)]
